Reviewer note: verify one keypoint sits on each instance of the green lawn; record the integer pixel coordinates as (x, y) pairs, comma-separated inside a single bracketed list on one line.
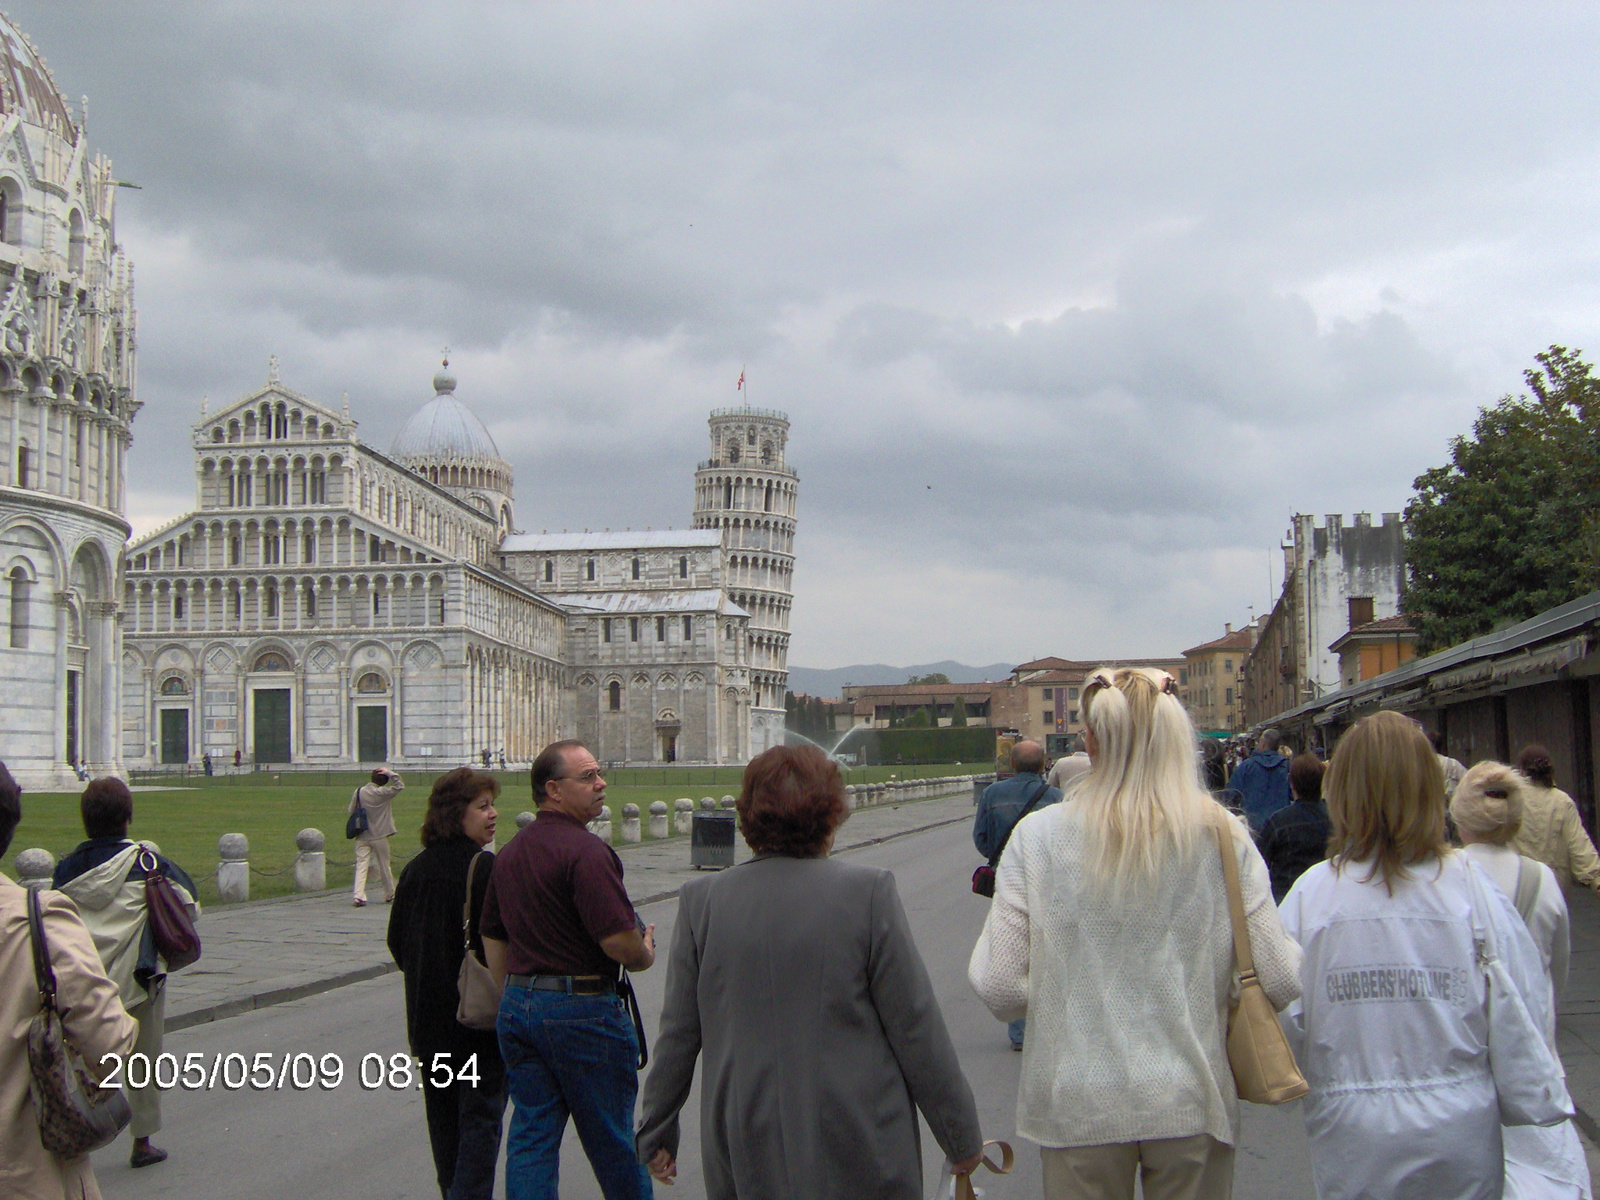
[(271, 809)]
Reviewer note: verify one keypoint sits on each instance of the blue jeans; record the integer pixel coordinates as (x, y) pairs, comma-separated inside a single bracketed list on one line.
[(572, 1056), (1015, 1029)]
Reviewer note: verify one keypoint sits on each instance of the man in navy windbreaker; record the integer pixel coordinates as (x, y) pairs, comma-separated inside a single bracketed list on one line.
[(1262, 781)]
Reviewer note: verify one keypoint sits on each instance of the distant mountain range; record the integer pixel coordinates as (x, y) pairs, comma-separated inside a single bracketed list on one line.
[(826, 683)]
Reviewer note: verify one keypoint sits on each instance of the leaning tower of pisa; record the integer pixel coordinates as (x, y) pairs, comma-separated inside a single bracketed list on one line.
[(747, 490)]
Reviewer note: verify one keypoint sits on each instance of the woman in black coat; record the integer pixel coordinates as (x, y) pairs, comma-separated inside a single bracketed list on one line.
[(465, 1081)]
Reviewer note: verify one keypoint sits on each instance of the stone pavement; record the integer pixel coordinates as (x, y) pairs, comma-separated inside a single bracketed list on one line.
[(266, 952)]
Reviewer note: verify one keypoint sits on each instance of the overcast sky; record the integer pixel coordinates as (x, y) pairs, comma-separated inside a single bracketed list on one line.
[(1070, 306)]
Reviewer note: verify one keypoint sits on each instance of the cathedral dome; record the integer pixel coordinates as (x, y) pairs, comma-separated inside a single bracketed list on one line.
[(444, 428), (27, 88)]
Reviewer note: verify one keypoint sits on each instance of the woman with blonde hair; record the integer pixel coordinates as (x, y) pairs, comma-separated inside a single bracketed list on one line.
[(1392, 1029), (1487, 807), (1110, 931)]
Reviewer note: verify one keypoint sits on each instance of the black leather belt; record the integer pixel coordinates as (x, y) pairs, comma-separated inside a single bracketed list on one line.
[(578, 985)]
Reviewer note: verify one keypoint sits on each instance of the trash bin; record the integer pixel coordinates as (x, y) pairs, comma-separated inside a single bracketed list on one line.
[(979, 784), (711, 839)]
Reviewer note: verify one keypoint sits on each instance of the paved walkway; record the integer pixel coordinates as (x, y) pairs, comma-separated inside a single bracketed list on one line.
[(267, 952)]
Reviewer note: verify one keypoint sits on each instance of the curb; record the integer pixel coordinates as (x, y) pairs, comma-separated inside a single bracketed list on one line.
[(266, 999), (272, 996)]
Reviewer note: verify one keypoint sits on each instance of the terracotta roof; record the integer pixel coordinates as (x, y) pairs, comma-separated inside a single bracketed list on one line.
[(914, 690), (1396, 626), (1049, 663), (1239, 639)]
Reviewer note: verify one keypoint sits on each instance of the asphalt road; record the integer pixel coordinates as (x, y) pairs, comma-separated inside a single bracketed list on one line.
[(282, 1143)]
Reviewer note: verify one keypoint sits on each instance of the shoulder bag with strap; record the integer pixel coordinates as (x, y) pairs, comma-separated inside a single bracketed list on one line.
[(356, 824), (479, 1005), (983, 877), (1264, 1070), (75, 1114), (170, 923)]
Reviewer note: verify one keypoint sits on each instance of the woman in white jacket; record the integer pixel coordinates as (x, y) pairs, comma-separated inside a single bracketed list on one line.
[(1391, 1030), (1487, 805), (1110, 931)]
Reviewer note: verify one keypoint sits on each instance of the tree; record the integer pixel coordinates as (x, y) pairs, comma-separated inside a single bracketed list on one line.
[(958, 714), (935, 677), (1508, 527), (919, 719)]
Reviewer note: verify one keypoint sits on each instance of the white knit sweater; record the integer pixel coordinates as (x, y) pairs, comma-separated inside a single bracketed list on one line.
[(1127, 1005)]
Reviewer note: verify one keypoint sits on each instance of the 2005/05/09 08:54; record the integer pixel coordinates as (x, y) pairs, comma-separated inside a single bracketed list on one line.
[(267, 1072)]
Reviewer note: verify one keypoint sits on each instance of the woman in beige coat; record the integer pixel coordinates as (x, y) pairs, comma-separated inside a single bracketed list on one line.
[(95, 1021), (1552, 831)]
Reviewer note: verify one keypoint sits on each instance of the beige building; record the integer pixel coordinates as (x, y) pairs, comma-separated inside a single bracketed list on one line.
[(1042, 698), (1370, 649), (1213, 691)]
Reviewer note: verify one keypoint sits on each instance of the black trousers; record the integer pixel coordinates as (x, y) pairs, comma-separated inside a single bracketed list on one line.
[(464, 1129)]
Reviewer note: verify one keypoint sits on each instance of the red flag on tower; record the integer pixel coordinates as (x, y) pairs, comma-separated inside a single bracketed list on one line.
[(740, 386)]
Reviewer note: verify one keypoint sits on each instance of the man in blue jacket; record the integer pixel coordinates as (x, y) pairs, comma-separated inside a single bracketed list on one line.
[(999, 809), (1262, 781)]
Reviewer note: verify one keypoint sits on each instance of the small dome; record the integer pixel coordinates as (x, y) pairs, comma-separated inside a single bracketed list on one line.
[(26, 86), (444, 428)]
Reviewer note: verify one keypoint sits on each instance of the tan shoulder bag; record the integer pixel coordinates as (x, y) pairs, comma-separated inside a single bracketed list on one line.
[(479, 1005), (1264, 1070)]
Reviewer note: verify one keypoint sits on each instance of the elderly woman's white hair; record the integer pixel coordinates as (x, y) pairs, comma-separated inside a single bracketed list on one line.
[(1487, 804)]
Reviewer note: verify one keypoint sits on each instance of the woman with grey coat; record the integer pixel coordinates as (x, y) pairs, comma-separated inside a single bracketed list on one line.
[(795, 977)]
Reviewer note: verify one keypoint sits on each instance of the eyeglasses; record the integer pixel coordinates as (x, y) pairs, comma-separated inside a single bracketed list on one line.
[(588, 776)]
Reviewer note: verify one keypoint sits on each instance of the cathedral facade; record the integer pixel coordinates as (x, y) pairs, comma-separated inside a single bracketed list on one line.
[(67, 404), (329, 604)]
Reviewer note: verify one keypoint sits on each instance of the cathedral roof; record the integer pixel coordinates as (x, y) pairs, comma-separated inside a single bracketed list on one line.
[(652, 600), (621, 539), (27, 87), (444, 428)]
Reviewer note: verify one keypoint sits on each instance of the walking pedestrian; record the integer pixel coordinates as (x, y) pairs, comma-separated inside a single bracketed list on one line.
[(1548, 1163), (105, 878), (1296, 838), (557, 925), (795, 979), (1552, 831), (1110, 928), (92, 1016), (1002, 805), (372, 843), (1394, 1032), (465, 1101), (1452, 768), (1262, 780)]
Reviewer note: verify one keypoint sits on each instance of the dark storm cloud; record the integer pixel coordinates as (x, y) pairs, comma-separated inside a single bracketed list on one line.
[(1071, 306)]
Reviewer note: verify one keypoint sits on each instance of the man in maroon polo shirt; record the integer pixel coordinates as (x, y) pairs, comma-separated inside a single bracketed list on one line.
[(557, 925)]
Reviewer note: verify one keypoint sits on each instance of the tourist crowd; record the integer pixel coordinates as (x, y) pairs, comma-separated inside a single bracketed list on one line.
[(1150, 911)]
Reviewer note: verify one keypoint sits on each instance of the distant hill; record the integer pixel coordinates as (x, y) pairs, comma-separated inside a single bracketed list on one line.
[(816, 682)]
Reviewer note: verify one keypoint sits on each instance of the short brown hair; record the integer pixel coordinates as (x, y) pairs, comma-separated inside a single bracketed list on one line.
[(1385, 797), (453, 793), (1305, 776), (106, 807), (1534, 762), (792, 799), (379, 775), (548, 765)]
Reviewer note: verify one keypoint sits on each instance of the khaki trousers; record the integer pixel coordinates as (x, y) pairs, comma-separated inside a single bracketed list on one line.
[(1186, 1168), (369, 851), (146, 1101)]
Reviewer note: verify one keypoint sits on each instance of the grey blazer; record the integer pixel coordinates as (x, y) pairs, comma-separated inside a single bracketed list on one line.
[(798, 982)]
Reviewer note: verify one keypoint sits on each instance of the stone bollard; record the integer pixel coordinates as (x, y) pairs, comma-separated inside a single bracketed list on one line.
[(34, 868), (728, 802), (708, 803), (601, 825), (658, 819), (849, 797), (233, 872), (683, 815), (311, 864), (630, 824), (524, 819)]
